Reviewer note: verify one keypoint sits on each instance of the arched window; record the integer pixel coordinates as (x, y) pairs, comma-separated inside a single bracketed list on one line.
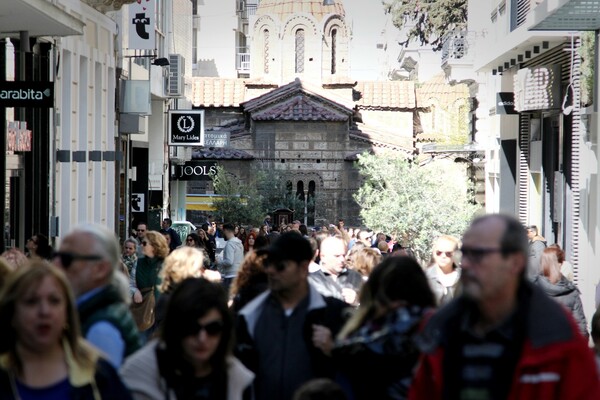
[(310, 203), (299, 51), (266, 51), (333, 50)]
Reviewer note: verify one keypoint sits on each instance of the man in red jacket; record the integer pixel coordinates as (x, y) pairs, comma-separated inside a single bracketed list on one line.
[(502, 338)]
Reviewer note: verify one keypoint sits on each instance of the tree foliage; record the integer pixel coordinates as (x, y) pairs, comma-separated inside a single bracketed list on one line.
[(414, 203), (427, 20), (250, 202), (241, 203)]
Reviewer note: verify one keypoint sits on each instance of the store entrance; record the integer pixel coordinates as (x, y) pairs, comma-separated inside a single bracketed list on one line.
[(13, 203)]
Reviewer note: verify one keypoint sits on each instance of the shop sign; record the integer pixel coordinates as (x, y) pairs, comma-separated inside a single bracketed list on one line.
[(141, 25), (186, 128), (18, 137), (537, 88), (27, 94), (216, 139), (505, 103), (194, 171)]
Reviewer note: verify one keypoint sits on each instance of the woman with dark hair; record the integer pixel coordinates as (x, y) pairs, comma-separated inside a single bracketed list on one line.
[(192, 358), (375, 351), (39, 246)]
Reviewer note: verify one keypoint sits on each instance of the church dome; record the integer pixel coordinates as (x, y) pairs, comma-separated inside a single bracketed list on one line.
[(285, 8)]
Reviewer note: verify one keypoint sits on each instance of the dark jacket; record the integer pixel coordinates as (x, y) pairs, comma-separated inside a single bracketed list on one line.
[(567, 294), (325, 311), (377, 360), (108, 305), (328, 287), (555, 361)]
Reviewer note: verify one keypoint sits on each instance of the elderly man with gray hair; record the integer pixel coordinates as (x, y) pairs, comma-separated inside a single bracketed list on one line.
[(89, 256)]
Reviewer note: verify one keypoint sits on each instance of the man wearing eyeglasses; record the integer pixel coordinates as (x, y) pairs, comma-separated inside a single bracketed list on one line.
[(280, 332), (89, 256), (141, 230), (502, 338)]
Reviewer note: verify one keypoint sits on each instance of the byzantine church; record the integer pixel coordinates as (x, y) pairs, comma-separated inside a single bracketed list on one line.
[(300, 112)]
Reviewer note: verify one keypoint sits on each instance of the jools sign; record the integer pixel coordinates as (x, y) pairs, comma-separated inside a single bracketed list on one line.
[(194, 171), (186, 128)]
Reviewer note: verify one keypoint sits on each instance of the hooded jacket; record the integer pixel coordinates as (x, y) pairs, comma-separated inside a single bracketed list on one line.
[(567, 294), (233, 255)]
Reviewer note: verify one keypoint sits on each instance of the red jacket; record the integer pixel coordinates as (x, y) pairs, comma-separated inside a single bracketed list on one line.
[(555, 362)]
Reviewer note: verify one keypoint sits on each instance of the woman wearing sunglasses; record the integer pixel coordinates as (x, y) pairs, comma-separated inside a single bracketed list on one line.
[(145, 275), (444, 272), (191, 359)]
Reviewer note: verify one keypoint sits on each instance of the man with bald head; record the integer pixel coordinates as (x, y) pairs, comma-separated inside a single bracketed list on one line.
[(89, 256), (503, 338)]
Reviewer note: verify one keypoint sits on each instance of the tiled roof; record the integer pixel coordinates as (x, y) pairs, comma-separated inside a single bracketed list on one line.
[(381, 138), (299, 108), (285, 8), (385, 95), (220, 153), (438, 89), (293, 89), (217, 92)]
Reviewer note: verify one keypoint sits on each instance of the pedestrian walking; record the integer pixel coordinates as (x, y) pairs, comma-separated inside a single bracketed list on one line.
[(375, 351), (444, 272), (502, 338), (42, 355), (89, 256), (559, 288), (191, 359), (276, 331)]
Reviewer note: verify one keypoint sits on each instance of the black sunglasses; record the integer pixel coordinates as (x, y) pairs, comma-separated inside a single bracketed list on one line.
[(477, 254), (213, 328), (66, 259), (144, 243), (278, 265)]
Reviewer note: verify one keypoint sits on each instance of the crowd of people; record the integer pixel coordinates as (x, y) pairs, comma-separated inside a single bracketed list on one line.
[(294, 313)]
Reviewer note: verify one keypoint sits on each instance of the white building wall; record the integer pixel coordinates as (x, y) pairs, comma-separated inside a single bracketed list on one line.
[(216, 38), (85, 110)]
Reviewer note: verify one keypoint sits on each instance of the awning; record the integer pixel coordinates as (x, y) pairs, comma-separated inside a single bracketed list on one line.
[(38, 17), (204, 202), (566, 15)]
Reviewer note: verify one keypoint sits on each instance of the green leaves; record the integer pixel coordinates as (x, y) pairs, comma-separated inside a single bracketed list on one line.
[(427, 20), (414, 203)]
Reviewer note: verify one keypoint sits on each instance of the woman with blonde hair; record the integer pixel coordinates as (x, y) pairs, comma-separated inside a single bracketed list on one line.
[(444, 272), (42, 355), (183, 262), (145, 274), (363, 259), (558, 287)]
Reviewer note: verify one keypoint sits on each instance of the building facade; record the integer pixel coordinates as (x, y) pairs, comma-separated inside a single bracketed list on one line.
[(534, 124)]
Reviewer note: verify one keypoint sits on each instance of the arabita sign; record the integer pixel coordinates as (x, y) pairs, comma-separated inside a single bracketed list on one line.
[(186, 128), (27, 94)]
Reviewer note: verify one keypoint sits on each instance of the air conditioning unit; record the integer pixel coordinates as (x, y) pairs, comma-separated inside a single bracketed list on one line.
[(175, 82)]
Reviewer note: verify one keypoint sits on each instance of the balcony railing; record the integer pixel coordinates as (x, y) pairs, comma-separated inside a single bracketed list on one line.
[(242, 61), (247, 10)]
